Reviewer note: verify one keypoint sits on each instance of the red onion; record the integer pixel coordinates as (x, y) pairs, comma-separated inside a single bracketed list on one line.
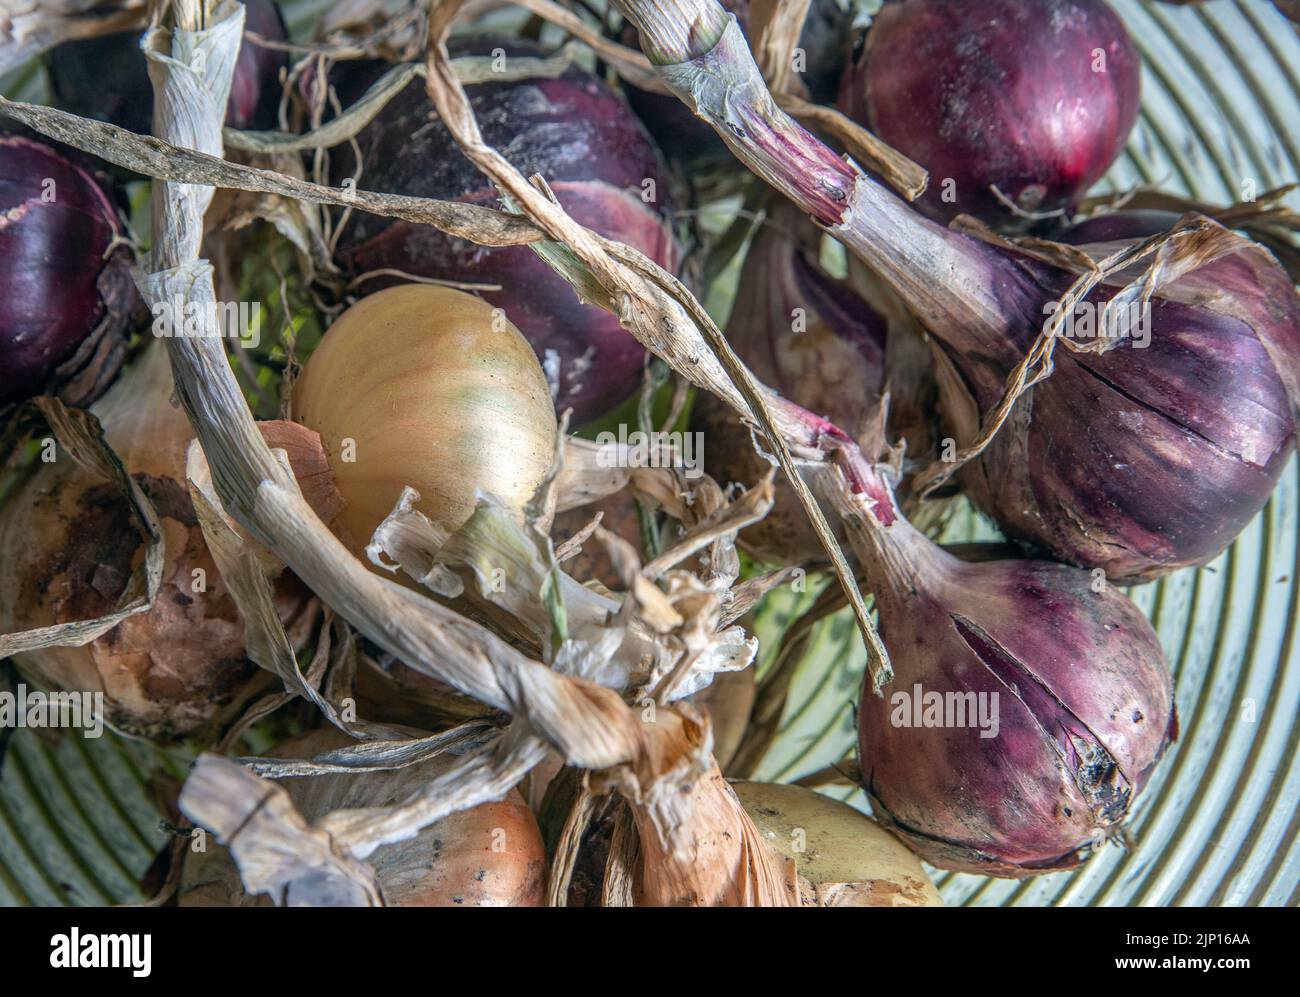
[(595, 156), (65, 298), (1028, 707), (1137, 461), (105, 78), (1004, 93)]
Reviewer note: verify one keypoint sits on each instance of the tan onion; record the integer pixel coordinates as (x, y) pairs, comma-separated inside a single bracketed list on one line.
[(177, 669), (844, 857), (429, 387)]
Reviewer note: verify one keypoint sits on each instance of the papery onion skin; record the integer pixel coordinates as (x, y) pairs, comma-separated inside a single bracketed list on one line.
[(1084, 708), (106, 78), (490, 855), (811, 338), (178, 669), (66, 293), (998, 92), (824, 45), (847, 859), (598, 161), (435, 390)]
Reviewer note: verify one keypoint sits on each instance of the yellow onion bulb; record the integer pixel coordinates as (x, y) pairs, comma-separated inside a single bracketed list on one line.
[(429, 387), (845, 858)]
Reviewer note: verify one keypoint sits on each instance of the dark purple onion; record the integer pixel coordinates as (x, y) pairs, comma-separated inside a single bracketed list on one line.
[(105, 78), (1140, 461), (997, 92), (815, 341), (65, 300), (595, 156), (1084, 707)]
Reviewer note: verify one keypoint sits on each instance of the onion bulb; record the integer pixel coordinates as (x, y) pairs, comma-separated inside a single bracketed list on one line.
[(106, 77), (490, 855), (70, 545), (846, 858), (66, 293), (424, 386), (810, 337), (598, 162), (1033, 97)]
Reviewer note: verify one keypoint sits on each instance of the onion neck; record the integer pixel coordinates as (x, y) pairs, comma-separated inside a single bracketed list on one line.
[(965, 292)]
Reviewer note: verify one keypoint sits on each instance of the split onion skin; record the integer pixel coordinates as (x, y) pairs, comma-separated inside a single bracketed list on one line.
[(847, 858), (490, 855), (435, 390)]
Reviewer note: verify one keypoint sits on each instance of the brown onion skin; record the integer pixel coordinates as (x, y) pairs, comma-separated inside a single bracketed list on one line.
[(105, 78), (66, 297), (997, 92), (595, 156), (178, 669), (491, 855), (1085, 707)]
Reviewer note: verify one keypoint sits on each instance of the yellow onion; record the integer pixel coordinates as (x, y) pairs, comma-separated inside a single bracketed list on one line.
[(488, 856), (429, 387), (70, 545), (846, 858)]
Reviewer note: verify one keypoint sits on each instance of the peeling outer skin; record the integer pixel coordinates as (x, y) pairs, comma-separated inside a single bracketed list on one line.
[(698, 846), (490, 855), (1085, 710), (1193, 433), (788, 157)]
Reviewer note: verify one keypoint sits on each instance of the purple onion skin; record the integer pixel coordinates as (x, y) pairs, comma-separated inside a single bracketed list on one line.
[(105, 78), (1085, 709), (61, 299), (1140, 461), (834, 367), (997, 92), (1119, 226), (595, 156)]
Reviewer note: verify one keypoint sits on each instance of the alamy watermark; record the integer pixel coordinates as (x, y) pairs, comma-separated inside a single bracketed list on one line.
[(100, 951), (684, 451), (37, 709), (1090, 320), (919, 708), (180, 319)]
